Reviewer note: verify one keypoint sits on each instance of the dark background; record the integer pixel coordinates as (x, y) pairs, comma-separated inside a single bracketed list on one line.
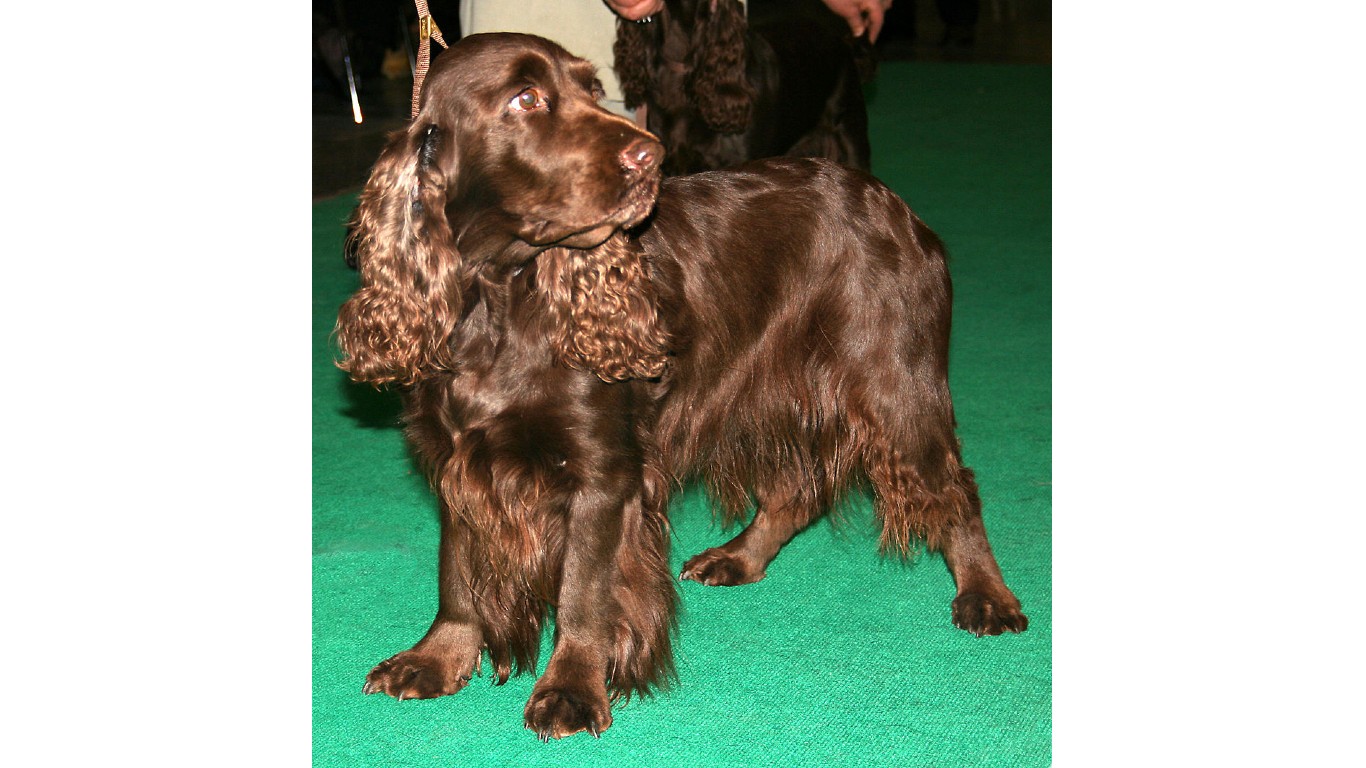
[(1004, 32)]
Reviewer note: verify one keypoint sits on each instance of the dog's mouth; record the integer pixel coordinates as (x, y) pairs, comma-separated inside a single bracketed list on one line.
[(637, 201)]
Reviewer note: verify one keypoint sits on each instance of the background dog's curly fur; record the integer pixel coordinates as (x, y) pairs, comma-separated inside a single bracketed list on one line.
[(720, 88)]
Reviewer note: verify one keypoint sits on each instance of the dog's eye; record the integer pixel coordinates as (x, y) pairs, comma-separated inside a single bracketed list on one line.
[(599, 93), (528, 100)]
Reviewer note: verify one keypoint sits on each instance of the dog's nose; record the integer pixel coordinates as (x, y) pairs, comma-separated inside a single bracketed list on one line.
[(642, 155)]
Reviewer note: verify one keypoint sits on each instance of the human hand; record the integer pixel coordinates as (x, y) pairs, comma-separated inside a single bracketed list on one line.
[(635, 10), (861, 14)]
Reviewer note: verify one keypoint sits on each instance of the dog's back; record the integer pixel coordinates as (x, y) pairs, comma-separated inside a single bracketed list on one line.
[(838, 299)]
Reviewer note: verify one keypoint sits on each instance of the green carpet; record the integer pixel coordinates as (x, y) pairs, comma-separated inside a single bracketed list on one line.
[(838, 658)]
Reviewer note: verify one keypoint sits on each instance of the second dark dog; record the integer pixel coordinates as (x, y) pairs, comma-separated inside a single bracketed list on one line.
[(719, 89)]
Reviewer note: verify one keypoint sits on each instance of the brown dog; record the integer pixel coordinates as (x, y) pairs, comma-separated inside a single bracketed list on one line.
[(572, 339)]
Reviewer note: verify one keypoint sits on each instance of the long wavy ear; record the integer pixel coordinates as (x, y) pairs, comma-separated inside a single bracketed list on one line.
[(396, 327), (719, 86), (603, 310), (633, 56)]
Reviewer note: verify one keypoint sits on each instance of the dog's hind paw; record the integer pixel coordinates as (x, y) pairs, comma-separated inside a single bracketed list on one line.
[(983, 614), (716, 567)]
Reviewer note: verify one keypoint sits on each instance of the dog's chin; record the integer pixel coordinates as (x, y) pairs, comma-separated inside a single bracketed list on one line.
[(640, 201), (637, 205), (591, 238)]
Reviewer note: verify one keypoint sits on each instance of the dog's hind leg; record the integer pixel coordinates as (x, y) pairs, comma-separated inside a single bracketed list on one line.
[(924, 491), (984, 604), (784, 509)]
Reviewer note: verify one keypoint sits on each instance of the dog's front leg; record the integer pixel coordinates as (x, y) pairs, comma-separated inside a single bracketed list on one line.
[(572, 694), (445, 659)]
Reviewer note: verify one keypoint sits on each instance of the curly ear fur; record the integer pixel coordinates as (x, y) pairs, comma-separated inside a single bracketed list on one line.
[(395, 328), (603, 310), (631, 60), (719, 85)]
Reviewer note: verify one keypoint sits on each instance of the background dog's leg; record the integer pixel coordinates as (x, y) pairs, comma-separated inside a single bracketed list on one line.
[(445, 659), (783, 511)]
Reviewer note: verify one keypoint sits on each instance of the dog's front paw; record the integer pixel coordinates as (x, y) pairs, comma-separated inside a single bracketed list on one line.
[(983, 614), (554, 713), (716, 567), (417, 675)]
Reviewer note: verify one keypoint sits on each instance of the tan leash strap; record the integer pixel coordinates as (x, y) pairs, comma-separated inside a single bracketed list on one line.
[(426, 31)]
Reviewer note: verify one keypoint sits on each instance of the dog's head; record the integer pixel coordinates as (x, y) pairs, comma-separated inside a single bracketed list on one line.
[(510, 131), (510, 154)]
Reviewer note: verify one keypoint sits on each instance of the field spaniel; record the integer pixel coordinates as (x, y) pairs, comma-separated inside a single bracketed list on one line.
[(720, 89), (573, 339)]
